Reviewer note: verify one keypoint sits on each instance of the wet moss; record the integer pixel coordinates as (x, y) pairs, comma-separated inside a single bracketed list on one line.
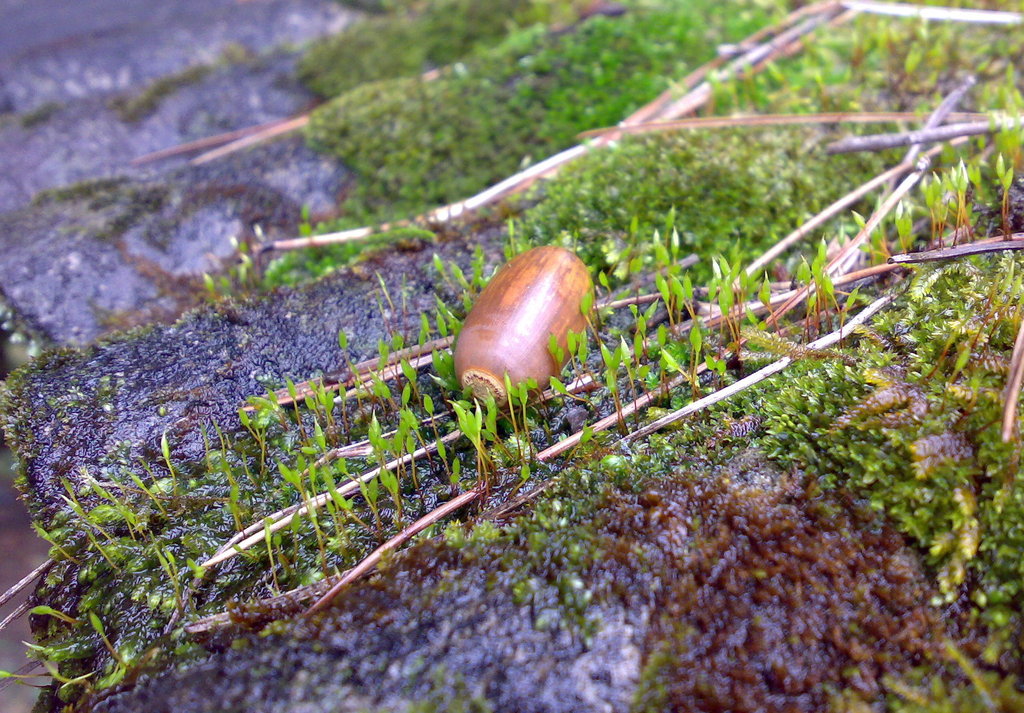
[(520, 101)]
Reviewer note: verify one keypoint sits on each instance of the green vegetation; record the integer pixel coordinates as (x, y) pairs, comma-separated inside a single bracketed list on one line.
[(416, 144)]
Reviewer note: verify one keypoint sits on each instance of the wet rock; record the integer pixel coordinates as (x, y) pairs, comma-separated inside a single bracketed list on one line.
[(79, 410), (113, 253), (690, 595), (103, 46), (60, 144)]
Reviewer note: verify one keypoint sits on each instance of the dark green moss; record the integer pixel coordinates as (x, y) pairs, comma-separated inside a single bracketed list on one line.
[(39, 115)]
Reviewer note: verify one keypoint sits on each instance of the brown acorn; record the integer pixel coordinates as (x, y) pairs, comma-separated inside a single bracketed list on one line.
[(535, 295)]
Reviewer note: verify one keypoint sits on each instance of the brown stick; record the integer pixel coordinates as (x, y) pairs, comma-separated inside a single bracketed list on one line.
[(205, 143), (371, 560), (252, 139), (25, 581), (1011, 397), (824, 216), (879, 142)]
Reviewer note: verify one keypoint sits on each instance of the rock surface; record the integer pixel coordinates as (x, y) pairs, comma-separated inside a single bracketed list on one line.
[(113, 245), (52, 51)]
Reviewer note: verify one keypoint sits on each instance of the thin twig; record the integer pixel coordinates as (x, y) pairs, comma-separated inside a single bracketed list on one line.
[(952, 14), (754, 120), (991, 245), (283, 518), (1011, 397), (25, 581), (206, 143), (700, 94), (252, 139), (824, 216), (942, 113), (760, 375), (524, 179), (362, 372), (371, 560), (16, 614), (849, 250), (880, 142)]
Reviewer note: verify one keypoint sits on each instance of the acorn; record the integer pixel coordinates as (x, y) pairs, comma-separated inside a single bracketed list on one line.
[(537, 294)]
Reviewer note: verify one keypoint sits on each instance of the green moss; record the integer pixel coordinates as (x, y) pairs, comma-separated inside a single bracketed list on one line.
[(417, 144), (139, 106), (411, 39), (731, 193), (875, 64), (301, 265), (39, 115)]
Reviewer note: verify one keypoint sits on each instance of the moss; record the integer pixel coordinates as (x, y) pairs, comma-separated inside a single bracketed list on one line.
[(416, 144), (732, 193), (875, 64), (414, 37), (98, 192), (39, 115), (302, 265)]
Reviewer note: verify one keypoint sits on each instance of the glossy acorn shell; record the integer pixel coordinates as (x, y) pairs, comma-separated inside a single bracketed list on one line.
[(536, 294)]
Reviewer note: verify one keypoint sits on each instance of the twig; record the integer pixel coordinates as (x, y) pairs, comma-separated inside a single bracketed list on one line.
[(25, 581), (724, 122), (873, 221), (942, 113), (879, 142), (359, 373), (16, 614), (760, 375), (371, 560), (283, 518), (700, 94), (992, 245), (824, 216), (1011, 397), (205, 143), (256, 137), (952, 14)]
